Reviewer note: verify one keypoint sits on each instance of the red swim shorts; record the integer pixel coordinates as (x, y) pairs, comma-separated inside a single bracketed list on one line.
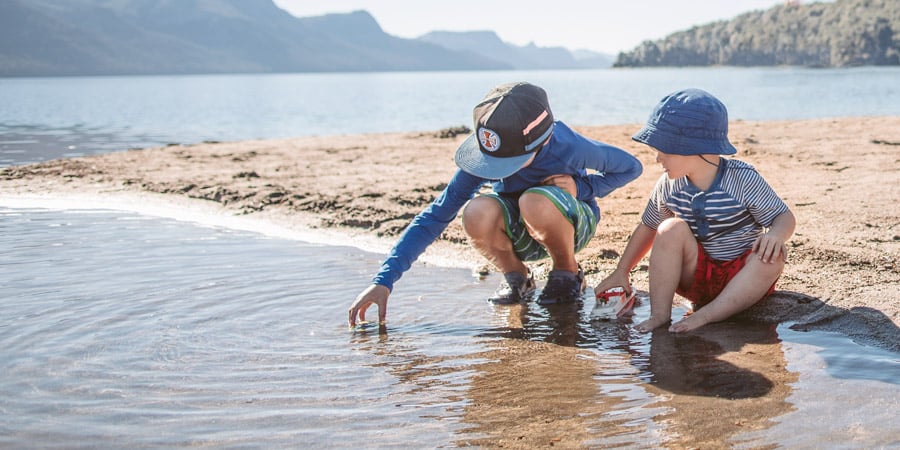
[(711, 276)]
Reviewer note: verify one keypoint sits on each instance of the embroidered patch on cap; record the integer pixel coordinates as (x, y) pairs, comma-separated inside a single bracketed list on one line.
[(490, 140)]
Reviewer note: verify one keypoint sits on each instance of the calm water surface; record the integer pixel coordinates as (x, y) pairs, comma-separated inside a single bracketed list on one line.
[(48, 118), (136, 331)]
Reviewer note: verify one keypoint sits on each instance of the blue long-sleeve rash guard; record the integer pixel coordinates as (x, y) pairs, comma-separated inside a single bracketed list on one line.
[(567, 153)]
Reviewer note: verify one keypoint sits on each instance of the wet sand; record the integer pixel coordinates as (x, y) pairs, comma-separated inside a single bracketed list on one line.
[(839, 176)]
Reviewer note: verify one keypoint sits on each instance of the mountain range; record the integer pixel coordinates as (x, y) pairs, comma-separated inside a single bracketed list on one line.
[(126, 37), (129, 37)]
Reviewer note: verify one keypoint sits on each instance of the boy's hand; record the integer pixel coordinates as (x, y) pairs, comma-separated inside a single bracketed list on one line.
[(566, 182), (616, 279), (769, 247), (376, 294)]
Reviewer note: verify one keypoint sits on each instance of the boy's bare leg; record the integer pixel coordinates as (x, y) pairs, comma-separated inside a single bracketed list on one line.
[(484, 223), (742, 292), (673, 260), (551, 229)]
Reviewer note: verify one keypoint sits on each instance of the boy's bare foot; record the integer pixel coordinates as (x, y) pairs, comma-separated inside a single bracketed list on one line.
[(651, 323), (689, 323)]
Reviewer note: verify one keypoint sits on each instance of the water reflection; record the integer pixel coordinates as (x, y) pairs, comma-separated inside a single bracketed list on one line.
[(603, 383), (725, 379), (564, 325), (537, 388), (691, 364)]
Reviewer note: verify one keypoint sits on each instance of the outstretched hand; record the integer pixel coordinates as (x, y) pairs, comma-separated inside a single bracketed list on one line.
[(375, 294)]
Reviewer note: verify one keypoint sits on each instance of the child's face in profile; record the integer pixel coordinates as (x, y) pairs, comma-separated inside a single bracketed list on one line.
[(675, 166)]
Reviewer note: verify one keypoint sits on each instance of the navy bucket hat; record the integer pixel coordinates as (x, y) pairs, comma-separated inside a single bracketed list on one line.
[(688, 122), (511, 122)]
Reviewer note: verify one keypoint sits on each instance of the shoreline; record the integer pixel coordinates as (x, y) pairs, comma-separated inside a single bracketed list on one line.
[(270, 224), (839, 176)]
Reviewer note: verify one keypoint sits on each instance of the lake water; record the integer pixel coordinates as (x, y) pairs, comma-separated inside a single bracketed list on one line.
[(120, 329), (173, 330), (46, 118)]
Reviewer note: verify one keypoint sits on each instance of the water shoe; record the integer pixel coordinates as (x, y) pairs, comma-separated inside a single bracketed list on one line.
[(563, 287), (514, 289)]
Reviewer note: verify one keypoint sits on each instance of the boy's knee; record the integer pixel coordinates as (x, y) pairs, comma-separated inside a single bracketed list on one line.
[(540, 213), (673, 234), (480, 207), (481, 212), (532, 200), (673, 228)]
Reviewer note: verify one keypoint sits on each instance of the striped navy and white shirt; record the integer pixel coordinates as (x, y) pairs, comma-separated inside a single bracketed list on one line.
[(728, 217)]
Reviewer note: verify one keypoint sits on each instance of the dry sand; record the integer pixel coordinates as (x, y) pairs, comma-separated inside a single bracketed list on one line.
[(839, 176)]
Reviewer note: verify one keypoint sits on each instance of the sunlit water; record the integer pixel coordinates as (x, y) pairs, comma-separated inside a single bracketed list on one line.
[(119, 329), (48, 118)]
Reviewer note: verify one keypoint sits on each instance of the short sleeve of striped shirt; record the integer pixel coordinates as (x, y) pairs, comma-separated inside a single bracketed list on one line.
[(746, 184), (656, 210)]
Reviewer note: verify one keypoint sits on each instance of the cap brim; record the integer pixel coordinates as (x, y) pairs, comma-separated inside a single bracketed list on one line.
[(471, 159)]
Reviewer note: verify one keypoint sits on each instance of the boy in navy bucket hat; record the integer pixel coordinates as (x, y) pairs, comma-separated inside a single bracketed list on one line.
[(543, 202), (715, 230)]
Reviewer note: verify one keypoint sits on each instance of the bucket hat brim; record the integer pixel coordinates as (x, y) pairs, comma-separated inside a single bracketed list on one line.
[(674, 144)]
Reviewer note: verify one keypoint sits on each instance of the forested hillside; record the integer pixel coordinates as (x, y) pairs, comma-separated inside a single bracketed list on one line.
[(839, 34)]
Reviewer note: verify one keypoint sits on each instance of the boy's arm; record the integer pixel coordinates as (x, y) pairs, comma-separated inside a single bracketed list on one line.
[(615, 168), (771, 244), (419, 234), (641, 239), (638, 245), (426, 227)]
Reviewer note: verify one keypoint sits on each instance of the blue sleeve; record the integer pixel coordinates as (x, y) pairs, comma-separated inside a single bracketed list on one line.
[(427, 226), (615, 168)]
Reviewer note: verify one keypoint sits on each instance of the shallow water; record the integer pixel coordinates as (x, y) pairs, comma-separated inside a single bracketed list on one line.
[(154, 332)]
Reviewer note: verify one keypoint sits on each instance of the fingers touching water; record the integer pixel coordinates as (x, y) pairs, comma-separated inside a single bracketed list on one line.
[(375, 294)]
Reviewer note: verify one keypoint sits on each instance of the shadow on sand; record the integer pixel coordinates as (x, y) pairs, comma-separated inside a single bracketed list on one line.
[(864, 325)]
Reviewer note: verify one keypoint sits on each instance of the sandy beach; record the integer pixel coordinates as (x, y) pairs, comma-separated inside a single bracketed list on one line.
[(839, 176)]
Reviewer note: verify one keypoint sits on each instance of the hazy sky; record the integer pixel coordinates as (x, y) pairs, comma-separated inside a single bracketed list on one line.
[(600, 25)]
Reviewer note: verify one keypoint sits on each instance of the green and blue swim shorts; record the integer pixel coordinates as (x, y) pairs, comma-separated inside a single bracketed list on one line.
[(578, 213)]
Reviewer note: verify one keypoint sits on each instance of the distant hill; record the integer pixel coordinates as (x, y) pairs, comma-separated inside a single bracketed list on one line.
[(489, 45), (101, 37), (839, 34), (125, 37)]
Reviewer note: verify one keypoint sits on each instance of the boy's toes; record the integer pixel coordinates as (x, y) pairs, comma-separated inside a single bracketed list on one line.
[(648, 325), (689, 323)]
